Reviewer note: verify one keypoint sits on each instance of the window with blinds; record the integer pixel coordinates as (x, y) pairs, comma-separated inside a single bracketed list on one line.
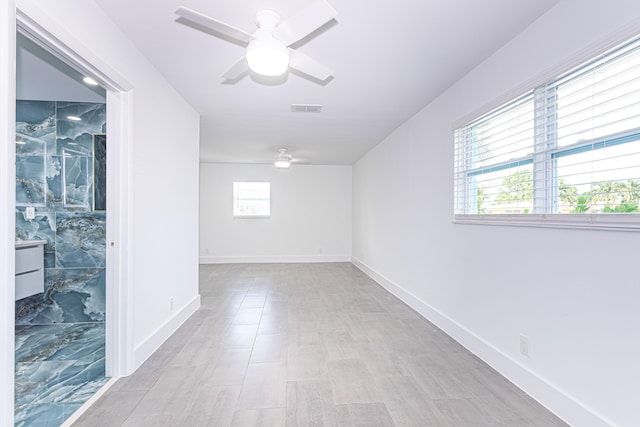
[(251, 199), (570, 146)]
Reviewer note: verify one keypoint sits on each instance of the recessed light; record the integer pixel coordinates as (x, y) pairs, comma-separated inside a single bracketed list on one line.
[(90, 81), (74, 118)]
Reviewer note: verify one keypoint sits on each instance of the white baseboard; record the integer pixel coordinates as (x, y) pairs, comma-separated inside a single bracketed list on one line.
[(560, 403), (147, 347), (273, 259)]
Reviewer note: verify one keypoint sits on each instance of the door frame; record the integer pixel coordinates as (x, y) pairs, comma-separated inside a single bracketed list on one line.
[(7, 212), (42, 30)]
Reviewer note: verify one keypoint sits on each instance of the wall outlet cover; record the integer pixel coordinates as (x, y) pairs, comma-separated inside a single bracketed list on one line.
[(524, 345), (30, 212)]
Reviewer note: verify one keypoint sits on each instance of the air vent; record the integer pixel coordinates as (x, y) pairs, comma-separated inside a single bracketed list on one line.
[(306, 108)]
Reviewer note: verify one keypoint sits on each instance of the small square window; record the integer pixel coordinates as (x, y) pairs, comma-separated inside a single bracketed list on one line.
[(251, 199)]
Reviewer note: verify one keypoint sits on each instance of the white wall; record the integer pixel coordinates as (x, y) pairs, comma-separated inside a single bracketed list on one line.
[(7, 203), (161, 180), (573, 293), (310, 215)]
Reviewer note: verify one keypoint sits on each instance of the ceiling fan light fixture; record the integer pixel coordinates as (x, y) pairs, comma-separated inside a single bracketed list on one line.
[(269, 50), (267, 55), (283, 159)]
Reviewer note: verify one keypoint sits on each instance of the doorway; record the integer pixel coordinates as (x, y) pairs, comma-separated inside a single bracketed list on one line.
[(60, 200), (118, 353)]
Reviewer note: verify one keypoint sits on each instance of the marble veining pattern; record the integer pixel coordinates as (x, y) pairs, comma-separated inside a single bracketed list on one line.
[(77, 184), (77, 136), (71, 295), (30, 180), (35, 127), (80, 240), (42, 227), (58, 367), (56, 177), (53, 170), (60, 333)]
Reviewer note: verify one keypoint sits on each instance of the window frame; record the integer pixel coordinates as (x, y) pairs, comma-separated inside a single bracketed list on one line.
[(543, 158), (236, 200)]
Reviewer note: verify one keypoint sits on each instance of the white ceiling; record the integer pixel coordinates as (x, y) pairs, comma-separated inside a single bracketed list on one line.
[(390, 59)]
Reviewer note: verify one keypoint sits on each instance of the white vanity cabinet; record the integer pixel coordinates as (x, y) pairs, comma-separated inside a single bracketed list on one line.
[(29, 268)]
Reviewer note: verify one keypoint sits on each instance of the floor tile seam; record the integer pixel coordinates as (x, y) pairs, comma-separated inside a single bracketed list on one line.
[(244, 375), (486, 390), (287, 354)]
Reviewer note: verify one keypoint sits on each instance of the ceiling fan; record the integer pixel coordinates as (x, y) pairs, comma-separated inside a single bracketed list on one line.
[(269, 50)]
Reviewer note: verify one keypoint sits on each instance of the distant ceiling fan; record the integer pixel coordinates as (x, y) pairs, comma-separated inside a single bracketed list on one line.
[(268, 48)]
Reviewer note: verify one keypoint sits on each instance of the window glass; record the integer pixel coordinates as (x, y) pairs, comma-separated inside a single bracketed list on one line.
[(251, 199), (599, 180), (508, 190), (570, 146)]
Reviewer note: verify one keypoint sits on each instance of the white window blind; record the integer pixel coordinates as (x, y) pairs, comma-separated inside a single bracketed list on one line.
[(251, 199), (570, 146)]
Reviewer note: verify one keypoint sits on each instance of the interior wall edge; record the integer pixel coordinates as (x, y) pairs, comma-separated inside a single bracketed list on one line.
[(562, 404), (153, 341), (7, 215)]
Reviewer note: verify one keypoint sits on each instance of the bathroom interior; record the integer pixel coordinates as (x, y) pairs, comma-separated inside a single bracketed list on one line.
[(60, 237)]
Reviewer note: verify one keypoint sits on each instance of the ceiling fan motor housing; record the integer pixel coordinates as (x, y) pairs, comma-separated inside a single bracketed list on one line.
[(267, 20)]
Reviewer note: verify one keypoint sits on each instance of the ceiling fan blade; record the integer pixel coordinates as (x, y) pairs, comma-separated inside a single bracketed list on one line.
[(222, 28), (237, 70), (303, 63), (305, 21)]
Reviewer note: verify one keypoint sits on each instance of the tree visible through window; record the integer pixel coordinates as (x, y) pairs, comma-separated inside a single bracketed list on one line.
[(569, 146)]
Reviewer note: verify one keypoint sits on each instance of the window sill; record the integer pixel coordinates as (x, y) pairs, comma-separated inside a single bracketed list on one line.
[(612, 222)]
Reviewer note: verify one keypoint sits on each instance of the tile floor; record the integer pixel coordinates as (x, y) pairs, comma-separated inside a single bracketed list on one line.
[(310, 345), (58, 368)]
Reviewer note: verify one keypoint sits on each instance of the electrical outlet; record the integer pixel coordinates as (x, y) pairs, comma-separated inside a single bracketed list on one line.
[(30, 212), (170, 304), (524, 345)]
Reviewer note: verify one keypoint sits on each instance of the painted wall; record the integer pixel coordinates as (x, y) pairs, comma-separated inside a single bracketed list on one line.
[(573, 293), (310, 215), (162, 179)]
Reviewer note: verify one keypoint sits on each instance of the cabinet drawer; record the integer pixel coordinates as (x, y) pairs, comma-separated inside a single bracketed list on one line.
[(29, 259), (29, 284)]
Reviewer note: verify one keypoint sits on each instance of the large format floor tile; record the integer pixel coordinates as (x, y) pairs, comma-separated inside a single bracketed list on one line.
[(310, 345)]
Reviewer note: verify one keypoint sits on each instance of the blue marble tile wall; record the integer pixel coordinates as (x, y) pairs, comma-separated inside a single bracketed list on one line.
[(55, 174)]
